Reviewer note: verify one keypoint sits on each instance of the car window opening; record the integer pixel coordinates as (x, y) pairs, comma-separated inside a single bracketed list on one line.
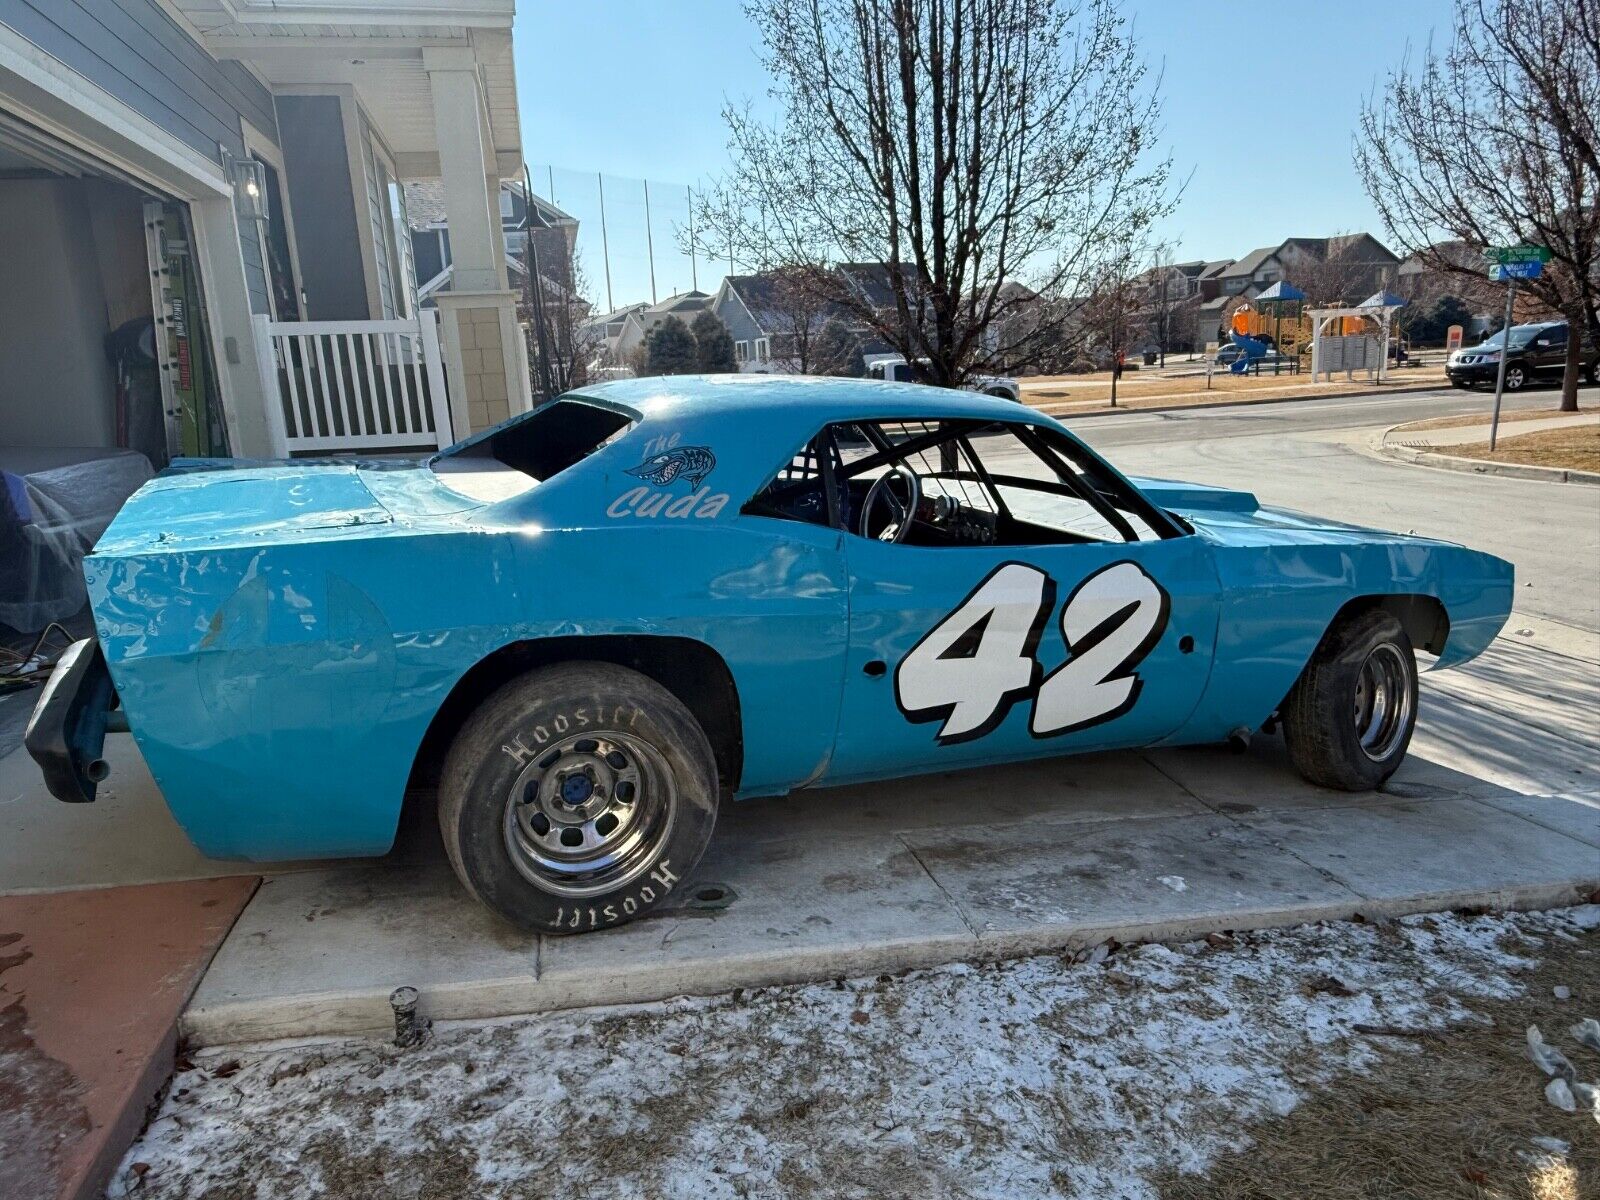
[(986, 483), (525, 453)]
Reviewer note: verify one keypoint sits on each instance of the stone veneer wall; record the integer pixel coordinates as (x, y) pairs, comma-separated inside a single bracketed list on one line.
[(483, 366)]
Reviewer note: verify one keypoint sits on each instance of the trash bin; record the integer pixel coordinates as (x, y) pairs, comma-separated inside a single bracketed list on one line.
[(1150, 358)]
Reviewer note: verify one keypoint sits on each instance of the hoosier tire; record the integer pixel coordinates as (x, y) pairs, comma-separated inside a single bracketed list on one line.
[(1349, 718), (577, 797)]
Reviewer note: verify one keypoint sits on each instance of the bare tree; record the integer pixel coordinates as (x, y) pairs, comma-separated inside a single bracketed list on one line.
[(798, 302), (968, 143), (1168, 291), (1335, 271), (1492, 141), (1112, 315)]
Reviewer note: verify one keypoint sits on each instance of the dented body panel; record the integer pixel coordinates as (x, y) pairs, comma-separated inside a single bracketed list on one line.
[(281, 636)]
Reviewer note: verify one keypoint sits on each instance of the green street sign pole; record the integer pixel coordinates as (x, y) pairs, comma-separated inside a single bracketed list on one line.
[(1505, 351)]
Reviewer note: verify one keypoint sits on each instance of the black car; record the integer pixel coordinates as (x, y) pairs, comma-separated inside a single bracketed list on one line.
[(1537, 352)]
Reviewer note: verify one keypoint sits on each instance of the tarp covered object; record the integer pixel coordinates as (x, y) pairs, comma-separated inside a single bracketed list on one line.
[(54, 504)]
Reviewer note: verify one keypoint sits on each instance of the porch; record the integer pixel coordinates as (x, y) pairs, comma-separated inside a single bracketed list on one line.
[(368, 98)]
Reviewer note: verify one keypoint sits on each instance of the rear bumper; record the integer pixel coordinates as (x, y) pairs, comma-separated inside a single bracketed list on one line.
[(67, 731)]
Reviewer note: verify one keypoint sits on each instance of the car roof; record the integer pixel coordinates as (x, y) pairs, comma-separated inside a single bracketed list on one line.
[(800, 397)]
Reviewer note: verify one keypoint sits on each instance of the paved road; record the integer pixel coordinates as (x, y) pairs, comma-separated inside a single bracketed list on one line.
[(1314, 455)]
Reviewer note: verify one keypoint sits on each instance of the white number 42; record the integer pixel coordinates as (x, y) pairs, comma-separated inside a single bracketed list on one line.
[(969, 669)]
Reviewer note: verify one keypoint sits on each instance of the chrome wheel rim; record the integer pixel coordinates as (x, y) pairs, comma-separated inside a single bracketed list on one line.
[(1383, 702), (589, 814)]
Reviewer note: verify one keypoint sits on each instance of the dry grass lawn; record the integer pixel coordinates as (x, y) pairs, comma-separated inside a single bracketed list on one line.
[(1575, 448), (1445, 1115), (1084, 393)]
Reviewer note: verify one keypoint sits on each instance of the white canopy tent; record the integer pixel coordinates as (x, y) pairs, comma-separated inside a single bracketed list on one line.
[(1346, 352)]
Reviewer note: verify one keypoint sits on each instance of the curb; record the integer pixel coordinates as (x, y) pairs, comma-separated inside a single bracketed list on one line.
[(1250, 403), (1475, 466)]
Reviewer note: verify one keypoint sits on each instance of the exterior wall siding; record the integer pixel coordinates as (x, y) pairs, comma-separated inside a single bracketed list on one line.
[(736, 317), (324, 211), (139, 54)]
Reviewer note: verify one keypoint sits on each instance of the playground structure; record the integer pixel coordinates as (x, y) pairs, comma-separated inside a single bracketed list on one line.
[(1274, 315), (1354, 337), (1342, 338)]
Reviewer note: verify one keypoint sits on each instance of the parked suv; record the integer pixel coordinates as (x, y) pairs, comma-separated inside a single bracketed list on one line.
[(1537, 352)]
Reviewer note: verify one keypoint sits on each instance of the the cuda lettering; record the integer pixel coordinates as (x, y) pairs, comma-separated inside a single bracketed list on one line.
[(642, 502), (970, 668)]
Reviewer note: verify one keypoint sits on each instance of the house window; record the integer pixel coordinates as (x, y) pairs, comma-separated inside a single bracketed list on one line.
[(741, 352), (763, 349)]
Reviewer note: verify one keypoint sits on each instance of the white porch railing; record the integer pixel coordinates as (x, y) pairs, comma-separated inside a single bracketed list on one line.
[(353, 385)]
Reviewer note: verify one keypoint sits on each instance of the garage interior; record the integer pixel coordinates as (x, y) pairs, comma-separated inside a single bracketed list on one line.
[(83, 421)]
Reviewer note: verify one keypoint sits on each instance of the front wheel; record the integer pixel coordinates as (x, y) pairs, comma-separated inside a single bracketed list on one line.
[(577, 797), (1516, 378), (1349, 718)]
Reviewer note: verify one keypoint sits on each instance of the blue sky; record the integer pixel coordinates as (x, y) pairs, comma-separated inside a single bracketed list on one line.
[(1260, 104)]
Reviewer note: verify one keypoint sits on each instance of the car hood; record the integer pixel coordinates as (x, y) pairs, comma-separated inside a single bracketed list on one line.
[(213, 502), (1234, 517)]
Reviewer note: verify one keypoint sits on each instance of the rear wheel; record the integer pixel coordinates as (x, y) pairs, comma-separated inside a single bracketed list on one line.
[(577, 797), (1349, 718)]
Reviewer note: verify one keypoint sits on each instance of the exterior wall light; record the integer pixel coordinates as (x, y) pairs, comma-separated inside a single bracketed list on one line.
[(249, 180)]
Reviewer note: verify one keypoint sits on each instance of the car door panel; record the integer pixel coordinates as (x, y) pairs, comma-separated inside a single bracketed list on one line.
[(959, 655)]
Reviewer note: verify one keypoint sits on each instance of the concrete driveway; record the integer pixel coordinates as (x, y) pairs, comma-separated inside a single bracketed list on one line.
[(1499, 804)]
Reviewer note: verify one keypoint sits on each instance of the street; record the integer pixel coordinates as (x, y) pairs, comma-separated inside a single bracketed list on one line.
[(1310, 455)]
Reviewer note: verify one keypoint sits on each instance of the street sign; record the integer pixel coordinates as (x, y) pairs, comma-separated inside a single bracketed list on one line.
[(1517, 254), (1530, 269), (1453, 336)]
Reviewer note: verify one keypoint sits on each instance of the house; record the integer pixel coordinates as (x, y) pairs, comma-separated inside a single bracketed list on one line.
[(1336, 269), (773, 316), (185, 183), (641, 319), (602, 334), (1252, 274), (523, 220), (541, 244)]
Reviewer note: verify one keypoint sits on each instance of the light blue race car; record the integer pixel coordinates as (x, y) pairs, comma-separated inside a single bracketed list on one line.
[(591, 625)]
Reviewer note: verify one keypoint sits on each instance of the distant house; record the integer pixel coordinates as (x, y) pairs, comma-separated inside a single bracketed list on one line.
[(771, 319), (1345, 268), (1252, 274), (602, 334), (641, 319)]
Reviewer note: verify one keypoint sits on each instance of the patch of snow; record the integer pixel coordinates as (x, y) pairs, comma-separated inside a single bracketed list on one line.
[(1175, 882), (1034, 1077)]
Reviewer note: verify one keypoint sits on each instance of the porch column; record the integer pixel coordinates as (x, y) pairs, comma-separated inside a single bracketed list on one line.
[(478, 315)]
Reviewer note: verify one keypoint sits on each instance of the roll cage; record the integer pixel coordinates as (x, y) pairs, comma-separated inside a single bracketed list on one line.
[(1078, 473)]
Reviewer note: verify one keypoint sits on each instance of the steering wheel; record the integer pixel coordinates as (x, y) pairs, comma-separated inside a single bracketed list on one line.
[(901, 511)]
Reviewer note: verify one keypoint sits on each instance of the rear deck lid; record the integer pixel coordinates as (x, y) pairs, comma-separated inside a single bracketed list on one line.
[(203, 508)]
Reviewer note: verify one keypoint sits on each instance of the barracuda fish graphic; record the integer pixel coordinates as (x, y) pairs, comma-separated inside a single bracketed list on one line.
[(693, 463)]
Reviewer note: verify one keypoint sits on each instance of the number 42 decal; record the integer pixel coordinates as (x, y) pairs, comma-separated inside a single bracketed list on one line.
[(970, 668)]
